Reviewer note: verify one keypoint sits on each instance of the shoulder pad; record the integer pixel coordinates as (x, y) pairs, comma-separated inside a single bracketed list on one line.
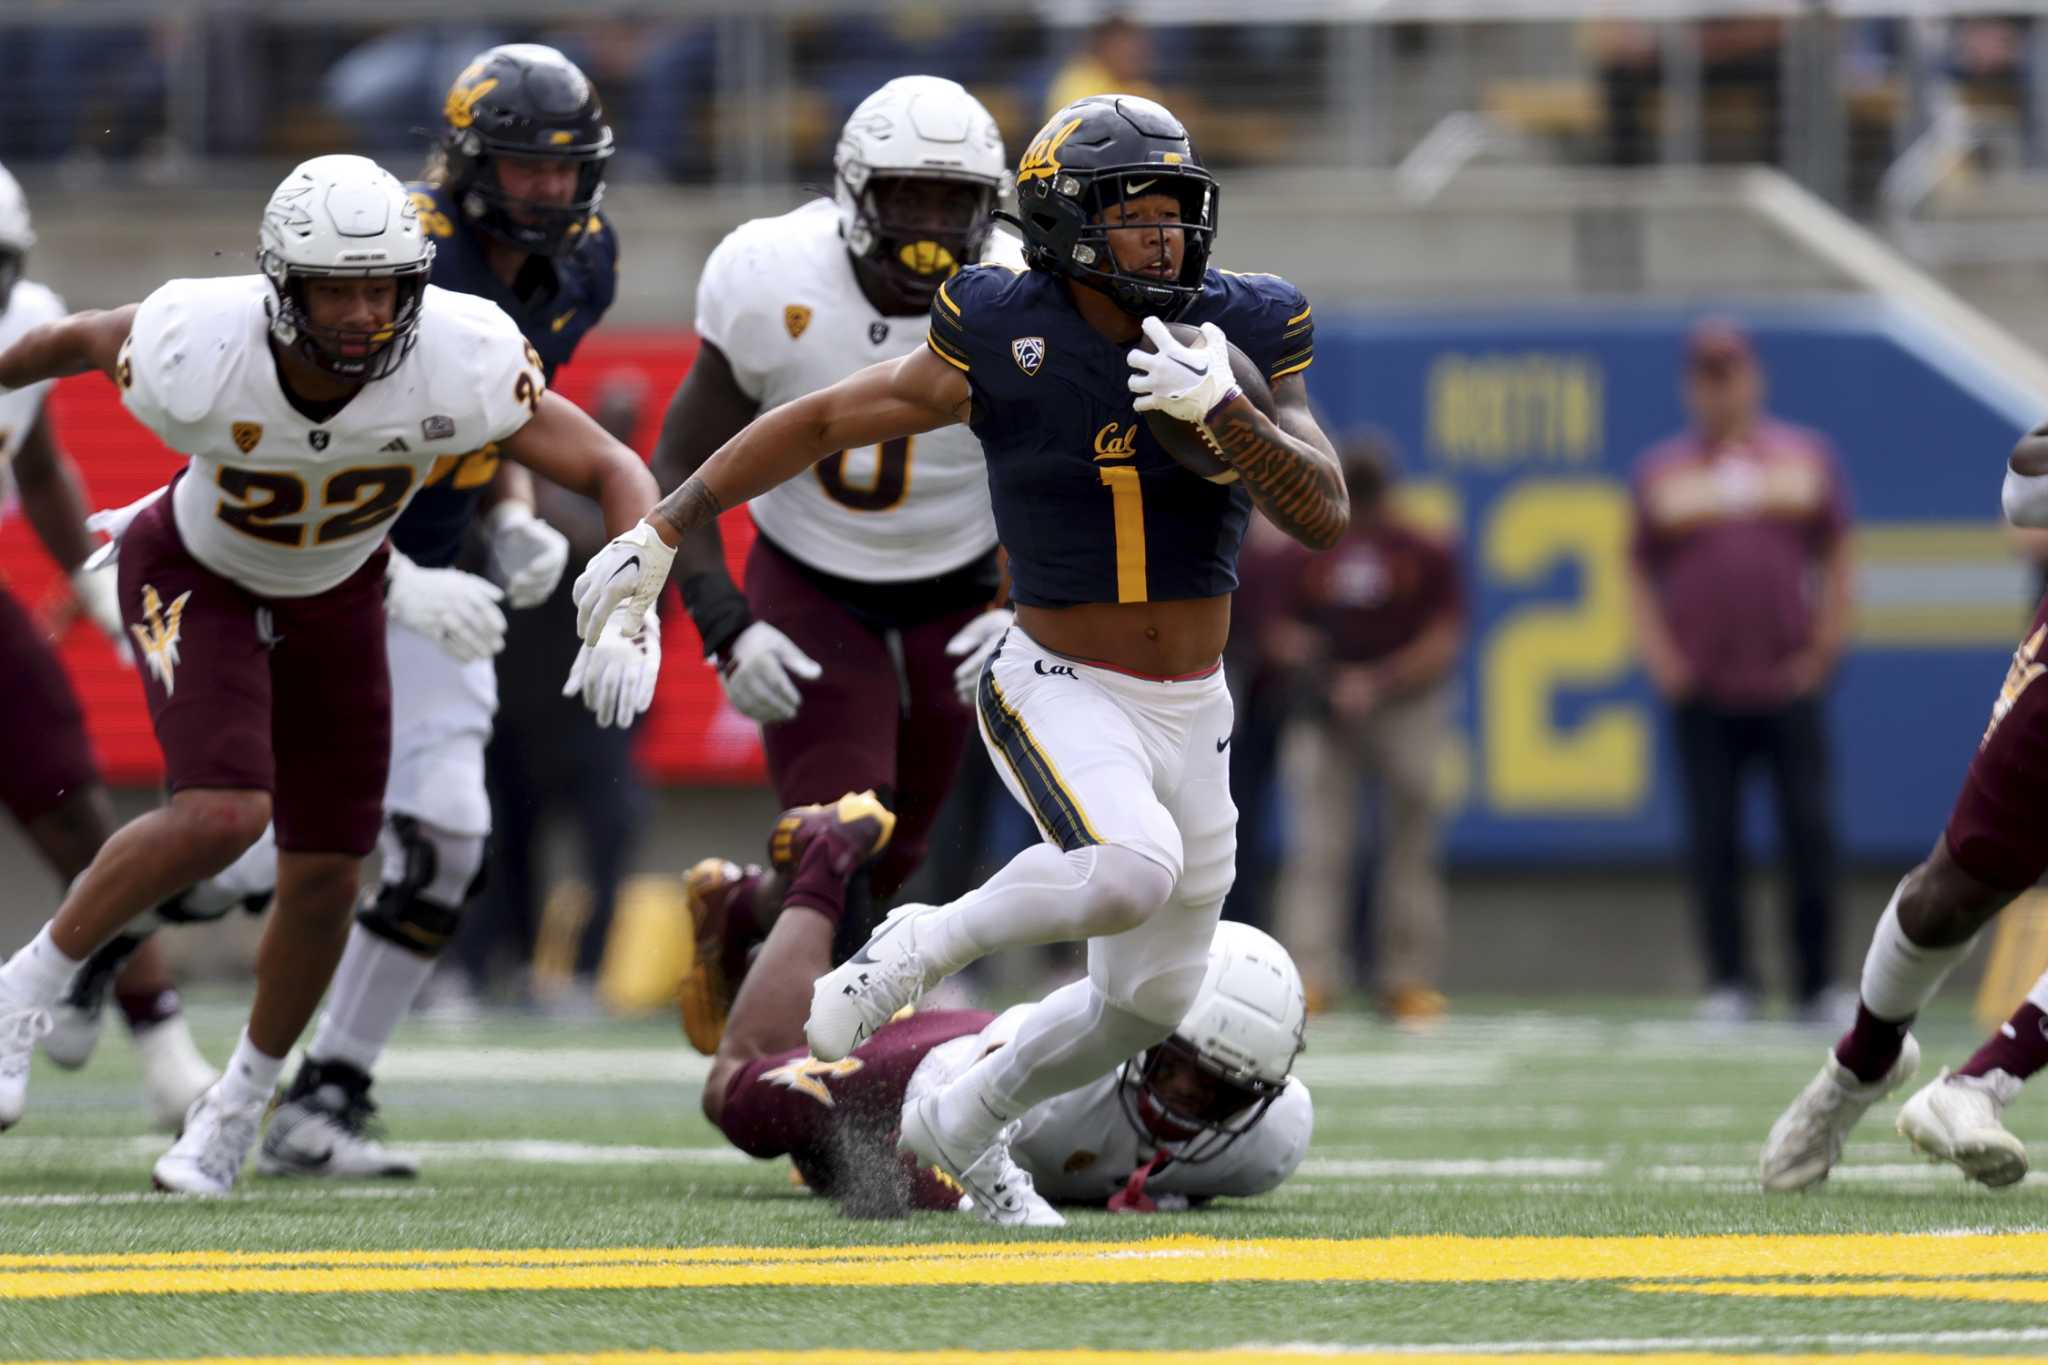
[(32, 303), (183, 342)]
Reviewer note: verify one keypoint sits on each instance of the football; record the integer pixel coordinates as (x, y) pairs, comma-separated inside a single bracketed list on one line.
[(1185, 441)]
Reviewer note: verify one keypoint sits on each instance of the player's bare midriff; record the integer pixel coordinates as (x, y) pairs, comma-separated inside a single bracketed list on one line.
[(1160, 639)]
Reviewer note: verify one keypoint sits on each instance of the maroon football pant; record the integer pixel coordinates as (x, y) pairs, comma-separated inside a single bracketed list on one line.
[(1996, 832), (48, 760), (289, 695), (884, 715), (837, 1121)]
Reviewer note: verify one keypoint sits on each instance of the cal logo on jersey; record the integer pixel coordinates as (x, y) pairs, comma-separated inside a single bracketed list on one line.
[(246, 435), (796, 317), (1029, 353)]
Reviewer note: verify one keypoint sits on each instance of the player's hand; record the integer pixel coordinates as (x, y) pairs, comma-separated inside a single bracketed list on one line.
[(756, 674), (617, 674), (456, 610), (95, 584), (973, 644), (530, 554), (628, 572), (1184, 382)]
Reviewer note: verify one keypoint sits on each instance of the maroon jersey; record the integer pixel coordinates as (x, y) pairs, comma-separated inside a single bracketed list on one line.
[(1377, 590), (1730, 540)]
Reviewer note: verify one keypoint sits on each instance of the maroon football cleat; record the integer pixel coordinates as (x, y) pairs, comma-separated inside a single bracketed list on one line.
[(713, 890), (846, 832)]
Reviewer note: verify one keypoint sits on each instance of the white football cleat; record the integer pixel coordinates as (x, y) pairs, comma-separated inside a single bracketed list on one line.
[(218, 1138), (174, 1074), (1806, 1141), (77, 1017), (1000, 1190), (1959, 1119), (21, 1024), (867, 990)]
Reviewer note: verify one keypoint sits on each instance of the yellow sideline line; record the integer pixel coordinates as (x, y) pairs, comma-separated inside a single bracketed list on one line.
[(1232, 1356), (1932, 1261)]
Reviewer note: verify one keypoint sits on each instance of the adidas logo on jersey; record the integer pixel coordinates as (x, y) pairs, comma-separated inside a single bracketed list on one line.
[(396, 446)]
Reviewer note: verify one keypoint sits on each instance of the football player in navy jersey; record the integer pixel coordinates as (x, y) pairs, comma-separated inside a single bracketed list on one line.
[(1105, 703), (510, 201)]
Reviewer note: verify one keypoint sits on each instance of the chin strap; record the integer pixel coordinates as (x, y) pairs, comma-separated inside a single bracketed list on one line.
[(1132, 1197)]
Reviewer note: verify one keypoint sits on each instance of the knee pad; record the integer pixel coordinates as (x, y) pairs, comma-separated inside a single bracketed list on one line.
[(1120, 888), (428, 874), (1154, 971)]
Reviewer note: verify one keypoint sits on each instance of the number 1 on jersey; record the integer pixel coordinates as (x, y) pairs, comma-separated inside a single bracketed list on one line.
[(1127, 502)]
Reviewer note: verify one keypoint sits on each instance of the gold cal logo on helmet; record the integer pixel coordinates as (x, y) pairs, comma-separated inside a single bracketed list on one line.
[(1041, 158), (463, 96)]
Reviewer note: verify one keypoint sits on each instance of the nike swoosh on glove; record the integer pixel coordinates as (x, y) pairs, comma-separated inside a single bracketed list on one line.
[(755, 674), (530, 555), (616, 676), (628, 572), (458, 611), (1184, 382), (973, 645)]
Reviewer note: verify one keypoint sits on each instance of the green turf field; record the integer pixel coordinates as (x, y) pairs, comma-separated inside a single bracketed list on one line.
[(571, 1184)]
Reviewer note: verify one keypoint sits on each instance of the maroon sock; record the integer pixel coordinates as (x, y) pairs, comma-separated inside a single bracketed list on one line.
[(146, 1009), (820, 880), (1872, 1044), (2019, 1047)]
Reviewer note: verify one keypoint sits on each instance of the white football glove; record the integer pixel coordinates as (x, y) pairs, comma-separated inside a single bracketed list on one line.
[(627, 572), (755, 674), (1184, 382), (96, 585), (972, 645), (617, 674), (456, 610), (529, 553)]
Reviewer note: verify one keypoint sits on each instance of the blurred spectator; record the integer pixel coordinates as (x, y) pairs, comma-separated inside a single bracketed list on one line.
[(1115, 59), (547, 761), (1382, 614), (390, 88), (83, 90), (1741, 80), (1740, 573), (1264, 659)]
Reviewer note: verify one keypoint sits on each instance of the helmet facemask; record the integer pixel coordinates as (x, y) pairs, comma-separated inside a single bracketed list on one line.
[(914, 231), (532, 225), (346, 353), (1064, 219), (1195, 1107)]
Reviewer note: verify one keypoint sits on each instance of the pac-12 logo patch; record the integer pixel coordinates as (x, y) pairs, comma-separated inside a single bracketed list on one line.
[(246, 435), (1029, 353), (796, 317)]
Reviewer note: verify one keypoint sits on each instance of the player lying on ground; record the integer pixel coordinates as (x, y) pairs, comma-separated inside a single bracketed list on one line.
[(48, 781), (1210, 1111), (1105, 705), (254, 585), (1993, 848)]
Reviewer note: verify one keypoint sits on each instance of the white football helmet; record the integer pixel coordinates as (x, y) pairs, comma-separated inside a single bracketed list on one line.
[(344, 216), (16, 236), (1209, 1083), (918, 128)]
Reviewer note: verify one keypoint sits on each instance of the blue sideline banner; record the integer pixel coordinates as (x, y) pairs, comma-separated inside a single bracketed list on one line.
[(1516, 432)]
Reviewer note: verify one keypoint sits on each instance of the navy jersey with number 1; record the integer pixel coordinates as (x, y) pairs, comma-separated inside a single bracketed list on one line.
[(554, 320), (1090, 507)]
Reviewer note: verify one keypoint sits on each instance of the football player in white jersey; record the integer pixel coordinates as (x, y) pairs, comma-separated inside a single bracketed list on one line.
[(49, 783), (1212, 1111), (871, 588), (255, 589)]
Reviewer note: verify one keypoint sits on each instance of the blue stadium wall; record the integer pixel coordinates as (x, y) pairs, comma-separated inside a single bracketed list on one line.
[(1516, 431)]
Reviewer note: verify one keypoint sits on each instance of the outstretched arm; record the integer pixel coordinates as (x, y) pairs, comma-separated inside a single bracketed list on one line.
[(709, 409), (895, 398), (1286, 463), (72, 345), (563, 443)]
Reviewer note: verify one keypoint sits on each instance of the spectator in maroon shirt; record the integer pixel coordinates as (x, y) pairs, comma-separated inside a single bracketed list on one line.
[(1740, 572), (1377, 621)]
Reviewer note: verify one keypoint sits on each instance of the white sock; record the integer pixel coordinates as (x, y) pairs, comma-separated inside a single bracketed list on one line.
[(40, 972), (1900, 976), (2038, 996), (1067, 1040), (252, 874), (1044, 896), (251, 1075), (373, 988)]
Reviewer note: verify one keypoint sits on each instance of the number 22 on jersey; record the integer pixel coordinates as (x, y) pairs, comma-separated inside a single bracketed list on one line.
[(265, 501)]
